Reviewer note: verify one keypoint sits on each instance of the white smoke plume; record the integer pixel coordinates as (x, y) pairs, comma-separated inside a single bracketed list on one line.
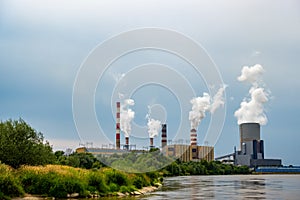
[(252, 74), (153, 127), (218, 100), (252, 109), (205, 103), (126, 116)]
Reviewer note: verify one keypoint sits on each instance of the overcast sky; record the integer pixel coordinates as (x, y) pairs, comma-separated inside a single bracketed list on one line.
[(44, 43)]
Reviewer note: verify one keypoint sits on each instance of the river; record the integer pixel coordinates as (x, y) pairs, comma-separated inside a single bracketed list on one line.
[(229, 187)]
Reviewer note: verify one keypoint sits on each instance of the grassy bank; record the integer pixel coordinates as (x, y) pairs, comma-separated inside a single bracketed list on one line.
[(61, 181)]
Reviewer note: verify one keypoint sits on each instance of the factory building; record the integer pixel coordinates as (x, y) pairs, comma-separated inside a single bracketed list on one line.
[(188, 153), (251, 151), (100, 151)]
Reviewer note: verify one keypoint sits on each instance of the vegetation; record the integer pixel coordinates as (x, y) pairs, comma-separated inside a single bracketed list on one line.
[(59, 181), (9, 184), (137, 162), (30, 166), (20, 144), (203, 167), (81, 160)]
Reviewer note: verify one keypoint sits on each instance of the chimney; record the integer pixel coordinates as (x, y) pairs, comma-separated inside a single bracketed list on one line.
[(164, 136), (193, 137), (151, 143), (127, 143), (118, 126)]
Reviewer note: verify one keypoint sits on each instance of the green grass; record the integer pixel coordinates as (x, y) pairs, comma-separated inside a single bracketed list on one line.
[(59, 181)]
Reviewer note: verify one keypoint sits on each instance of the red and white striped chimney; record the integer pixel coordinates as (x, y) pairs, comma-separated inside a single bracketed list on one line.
[(164, 136), (194, 137), (127, 143), (118, 126)]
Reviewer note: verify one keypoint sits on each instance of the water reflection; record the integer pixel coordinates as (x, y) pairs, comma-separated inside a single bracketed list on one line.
[(230, 187)]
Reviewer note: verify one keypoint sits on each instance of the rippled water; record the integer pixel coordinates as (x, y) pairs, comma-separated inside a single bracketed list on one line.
[(230, 187)]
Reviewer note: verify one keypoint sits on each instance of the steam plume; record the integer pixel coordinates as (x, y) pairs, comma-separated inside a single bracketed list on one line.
[(218, 99), (126, 116), (252, 109), (205, 103), (153, 125)]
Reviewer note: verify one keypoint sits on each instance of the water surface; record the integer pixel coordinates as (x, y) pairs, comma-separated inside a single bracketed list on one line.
[(229, 187)]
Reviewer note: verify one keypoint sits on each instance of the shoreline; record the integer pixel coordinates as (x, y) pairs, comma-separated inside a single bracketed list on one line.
[(143, 191)]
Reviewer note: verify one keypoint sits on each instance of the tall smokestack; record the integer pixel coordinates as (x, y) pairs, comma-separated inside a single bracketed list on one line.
[(151, 143), (118, 126), (193, 137), (164, 136), (127, 143)]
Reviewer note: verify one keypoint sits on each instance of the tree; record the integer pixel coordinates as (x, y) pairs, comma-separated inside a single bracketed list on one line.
[(20, 144)]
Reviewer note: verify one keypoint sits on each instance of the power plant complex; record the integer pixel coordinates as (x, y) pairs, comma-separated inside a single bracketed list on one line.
[(184, 152), (251, 152), (250, 116)]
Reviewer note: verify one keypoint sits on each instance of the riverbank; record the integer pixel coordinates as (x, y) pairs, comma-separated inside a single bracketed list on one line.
[(144, 191), (61, 181), (68, 182)]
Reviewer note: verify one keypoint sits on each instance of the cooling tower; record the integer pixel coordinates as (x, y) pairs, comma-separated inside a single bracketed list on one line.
[(249, 132), (193, 137), (118, 126)]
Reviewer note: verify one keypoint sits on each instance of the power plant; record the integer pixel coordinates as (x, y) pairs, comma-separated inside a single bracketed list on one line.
[(251, 151), (251, 148), (184, 152)]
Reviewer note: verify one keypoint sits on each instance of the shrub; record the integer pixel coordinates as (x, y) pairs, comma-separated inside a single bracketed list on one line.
[(96, 182), (141, 180), (9, 184), (117, 177), (124, 189), (55, 181), (113, 187)]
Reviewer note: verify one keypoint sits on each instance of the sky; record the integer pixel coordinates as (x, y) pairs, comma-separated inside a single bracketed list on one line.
[(43, 45)]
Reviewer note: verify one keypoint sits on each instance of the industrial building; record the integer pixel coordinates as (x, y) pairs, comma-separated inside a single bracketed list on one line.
[(251, 151), (100, 151), (191, 152), (183, 152), (188, 153)]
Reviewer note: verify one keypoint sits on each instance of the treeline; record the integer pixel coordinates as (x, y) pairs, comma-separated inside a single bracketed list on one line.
[(20, 145), (80, 160), (137, 162), (203, 167)]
